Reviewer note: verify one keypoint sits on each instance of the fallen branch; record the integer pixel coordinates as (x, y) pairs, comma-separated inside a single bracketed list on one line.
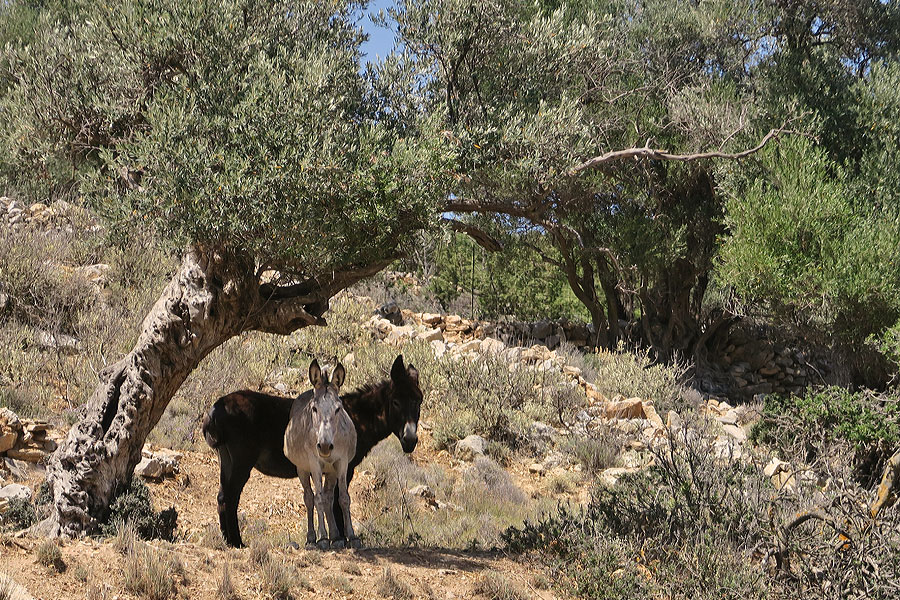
[(884, 495)]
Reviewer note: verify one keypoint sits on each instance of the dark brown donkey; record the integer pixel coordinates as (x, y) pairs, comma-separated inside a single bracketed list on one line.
[(247, 430)]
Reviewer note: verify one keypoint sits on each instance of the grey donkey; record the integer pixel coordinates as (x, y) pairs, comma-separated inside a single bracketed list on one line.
[(321, 441)]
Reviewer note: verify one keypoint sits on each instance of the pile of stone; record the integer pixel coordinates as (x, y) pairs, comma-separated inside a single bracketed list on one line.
[(59, 215), (24, 439), (759, 366)]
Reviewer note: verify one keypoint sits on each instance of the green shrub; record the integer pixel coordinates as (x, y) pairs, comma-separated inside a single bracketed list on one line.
[(808, 427), (132, 505), (20, 514)]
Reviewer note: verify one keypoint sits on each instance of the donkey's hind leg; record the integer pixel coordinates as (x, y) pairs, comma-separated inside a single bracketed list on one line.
[(334, 533), (344, 501), (309, 499), (233, 475)]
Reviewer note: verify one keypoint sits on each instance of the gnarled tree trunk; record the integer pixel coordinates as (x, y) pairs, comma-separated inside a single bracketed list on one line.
[(214, 296)]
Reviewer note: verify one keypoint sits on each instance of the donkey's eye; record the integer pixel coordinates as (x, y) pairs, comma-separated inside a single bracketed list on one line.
[(337, 410), (314, 408)]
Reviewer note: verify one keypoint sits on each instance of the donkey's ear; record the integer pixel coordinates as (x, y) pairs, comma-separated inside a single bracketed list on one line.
[(413, 374), (337, 376), (398, 371), (315, 373)]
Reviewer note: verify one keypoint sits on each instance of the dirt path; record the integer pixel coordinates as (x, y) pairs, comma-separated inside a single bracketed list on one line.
[(96, 570)]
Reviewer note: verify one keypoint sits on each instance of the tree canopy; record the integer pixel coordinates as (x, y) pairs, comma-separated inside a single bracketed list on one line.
[(244, 124)]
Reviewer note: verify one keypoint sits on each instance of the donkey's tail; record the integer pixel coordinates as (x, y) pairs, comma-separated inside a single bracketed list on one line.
[(212, 426)]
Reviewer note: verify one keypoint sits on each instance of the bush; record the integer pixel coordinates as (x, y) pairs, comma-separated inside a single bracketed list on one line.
[(132, 505), (49, 555), (680, 529), (808, 427)]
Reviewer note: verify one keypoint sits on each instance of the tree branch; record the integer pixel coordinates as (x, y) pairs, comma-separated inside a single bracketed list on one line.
[(646, 152), (481, 237), (284, 309)]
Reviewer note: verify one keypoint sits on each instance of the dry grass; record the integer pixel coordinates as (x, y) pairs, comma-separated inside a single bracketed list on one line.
[(338, 583), (390, 586), (279, 579), (211, 538), (351, 568), (6, 588), (225, 589), (126, 536), (632, 372), (495, 586), (150, 573)]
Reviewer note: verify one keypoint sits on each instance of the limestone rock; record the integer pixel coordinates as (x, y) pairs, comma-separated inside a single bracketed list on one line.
[(536, 469), (431, 335), (470, 346), (651, 414), (15, 491), (438, 347), (736, 432), (431, 319), (470, 447), (775, 466), (492, 346)]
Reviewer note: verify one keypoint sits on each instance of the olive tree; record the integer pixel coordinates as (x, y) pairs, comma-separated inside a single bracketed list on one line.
[(242, 132)]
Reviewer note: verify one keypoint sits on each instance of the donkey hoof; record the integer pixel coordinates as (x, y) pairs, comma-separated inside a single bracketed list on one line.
[(323, 544), (337, 544), (355, 543)]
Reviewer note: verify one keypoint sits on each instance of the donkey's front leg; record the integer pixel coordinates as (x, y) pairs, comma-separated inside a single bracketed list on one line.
[(309, 500), (344, 500), (321, 506)]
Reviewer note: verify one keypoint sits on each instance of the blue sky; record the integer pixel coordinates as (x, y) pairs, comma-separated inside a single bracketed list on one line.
[(381, 40)]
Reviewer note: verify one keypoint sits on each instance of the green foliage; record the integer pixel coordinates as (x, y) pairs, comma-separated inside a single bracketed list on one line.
[(680, 528), (132, 505), (868, 422), (803, 240), (635, 374)]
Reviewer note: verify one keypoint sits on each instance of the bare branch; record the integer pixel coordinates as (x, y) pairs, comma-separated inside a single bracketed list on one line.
[(656, 154)]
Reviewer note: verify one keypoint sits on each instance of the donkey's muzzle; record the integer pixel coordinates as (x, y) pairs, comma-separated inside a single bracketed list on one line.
[(409, 438), (324, 449)]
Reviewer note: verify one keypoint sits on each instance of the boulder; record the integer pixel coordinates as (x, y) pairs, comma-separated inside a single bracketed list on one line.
[(431, 319), (536, 469), (150, 468), (651, 415), (470, 346), (775, 466), (400, 334), (27, 452), (470, 447), (736, 432), (571, 371), (631, 408)]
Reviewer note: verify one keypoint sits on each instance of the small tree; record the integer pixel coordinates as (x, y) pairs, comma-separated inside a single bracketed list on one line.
[(241, 132)]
